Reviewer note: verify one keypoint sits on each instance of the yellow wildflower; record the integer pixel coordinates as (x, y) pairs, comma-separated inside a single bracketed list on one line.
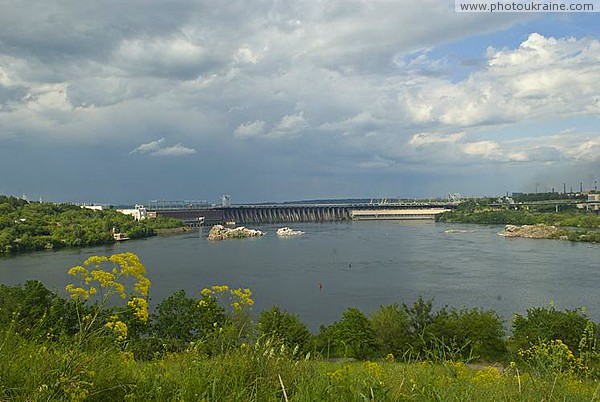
[(119, 328), (78, 271), (375, 369), (140, 307), (220, 289), (489, 375), (77, 294)]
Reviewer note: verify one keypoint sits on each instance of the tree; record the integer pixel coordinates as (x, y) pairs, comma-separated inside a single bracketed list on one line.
[(181, 318), (284, 327), (547, 324), (390, 325), (353, 335)]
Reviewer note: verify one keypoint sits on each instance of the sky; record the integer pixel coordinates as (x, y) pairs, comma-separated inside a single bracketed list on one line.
[(273, 100)]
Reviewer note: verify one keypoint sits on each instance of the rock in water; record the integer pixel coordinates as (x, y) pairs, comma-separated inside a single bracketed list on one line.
[(530, 231), (220, 232), (288, 232)]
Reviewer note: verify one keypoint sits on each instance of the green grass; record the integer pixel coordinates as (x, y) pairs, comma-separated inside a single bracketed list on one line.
[(101, 371)]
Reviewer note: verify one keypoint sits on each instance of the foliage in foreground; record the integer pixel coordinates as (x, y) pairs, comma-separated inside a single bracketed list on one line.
[(90, 346), (264, 372)]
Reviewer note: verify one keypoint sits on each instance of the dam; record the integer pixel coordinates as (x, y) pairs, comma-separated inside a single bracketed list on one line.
[(293, 213)]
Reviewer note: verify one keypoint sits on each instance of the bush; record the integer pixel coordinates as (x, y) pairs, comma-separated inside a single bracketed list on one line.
[(352, 336), (453, 334), (472, 333), (285, 327), (548, 324), (34, 311), (181, 318), (391, 328)]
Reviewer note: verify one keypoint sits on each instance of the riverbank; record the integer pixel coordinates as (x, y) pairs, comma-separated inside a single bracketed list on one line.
[(539, 225)]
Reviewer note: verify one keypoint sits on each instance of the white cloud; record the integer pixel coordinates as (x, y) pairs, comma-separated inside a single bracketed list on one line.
[(487, 149), (175, 150), (588, 151), (290, 126), (250, 129), (542, 77), (359, 124), (151, 146), (245, 55), (428, 139), (158, 148), (176, 56)]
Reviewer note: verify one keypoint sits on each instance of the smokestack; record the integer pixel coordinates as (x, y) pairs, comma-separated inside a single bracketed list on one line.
[(565, 188), (581, 187)]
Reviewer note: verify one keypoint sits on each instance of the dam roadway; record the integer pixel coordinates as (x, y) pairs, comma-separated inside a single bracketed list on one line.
[(290, 213)]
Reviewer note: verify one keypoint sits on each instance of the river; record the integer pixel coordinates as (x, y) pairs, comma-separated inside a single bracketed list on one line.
[(358, 264)]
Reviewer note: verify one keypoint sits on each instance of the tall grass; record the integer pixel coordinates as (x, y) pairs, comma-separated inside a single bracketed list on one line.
[(101, 371)]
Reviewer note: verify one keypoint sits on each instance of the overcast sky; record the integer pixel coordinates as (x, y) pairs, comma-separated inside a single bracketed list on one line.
[(128, 101)]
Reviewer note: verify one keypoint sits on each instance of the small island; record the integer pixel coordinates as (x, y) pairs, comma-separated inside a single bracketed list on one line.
[(539, 231), (288, 232), (220, 232)]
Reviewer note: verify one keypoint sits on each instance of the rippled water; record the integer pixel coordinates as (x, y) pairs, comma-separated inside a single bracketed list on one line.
[(359, 264)]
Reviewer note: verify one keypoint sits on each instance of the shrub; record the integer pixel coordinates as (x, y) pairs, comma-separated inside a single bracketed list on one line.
[(391, 328), (473, 333), (35, 311), (454, 334), (181, 318), (548, 324), (285, 327), (352, 336)]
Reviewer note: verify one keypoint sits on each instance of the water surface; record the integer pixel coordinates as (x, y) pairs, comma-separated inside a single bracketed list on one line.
[(359, 264)]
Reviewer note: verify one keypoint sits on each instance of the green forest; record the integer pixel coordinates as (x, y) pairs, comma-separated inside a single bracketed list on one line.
[(28, 226), (100, 342)]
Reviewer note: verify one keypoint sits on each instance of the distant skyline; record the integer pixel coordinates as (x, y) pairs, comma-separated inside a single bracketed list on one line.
[(124, 102)]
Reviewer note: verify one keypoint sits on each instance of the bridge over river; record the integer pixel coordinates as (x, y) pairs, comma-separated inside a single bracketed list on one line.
[(290, 213)]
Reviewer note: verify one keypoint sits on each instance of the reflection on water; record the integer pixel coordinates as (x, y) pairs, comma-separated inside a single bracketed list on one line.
[(360, 264)]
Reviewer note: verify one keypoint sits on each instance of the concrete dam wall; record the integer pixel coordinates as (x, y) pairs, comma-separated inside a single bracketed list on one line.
[(299, 213), (286, 214)]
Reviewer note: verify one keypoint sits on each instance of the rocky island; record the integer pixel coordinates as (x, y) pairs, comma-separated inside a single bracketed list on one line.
[(220, 232), (531, 231), (289, 232)]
